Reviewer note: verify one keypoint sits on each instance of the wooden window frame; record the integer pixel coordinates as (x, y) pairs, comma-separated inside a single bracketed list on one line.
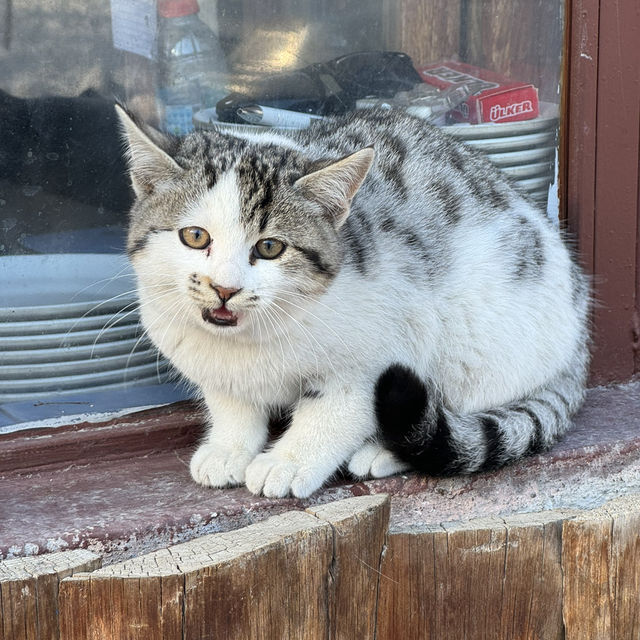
[(599, 168)]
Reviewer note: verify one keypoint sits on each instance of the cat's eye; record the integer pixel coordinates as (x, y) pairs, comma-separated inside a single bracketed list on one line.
[(268, 248), (195, 237)]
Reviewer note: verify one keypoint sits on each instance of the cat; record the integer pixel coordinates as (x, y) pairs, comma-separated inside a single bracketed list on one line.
[(380, 280)]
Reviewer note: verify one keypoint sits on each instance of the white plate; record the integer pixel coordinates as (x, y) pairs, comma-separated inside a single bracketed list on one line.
[(541, 195), (12, 374), (83, 381), (63, 325), (525, 171), (535, 184), (514, 143), (52, 286), (58, 395), (71, 310), (69, 354), (514, 158), (70, 338)]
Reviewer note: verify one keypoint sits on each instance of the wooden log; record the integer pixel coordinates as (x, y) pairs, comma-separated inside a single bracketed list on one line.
[(487, 578), (279, 578), (225, 585), (531, 606), (29, 592), (328, 573), (586, 551), (359, 535), (601, 569), (278, 591), (407, 588)]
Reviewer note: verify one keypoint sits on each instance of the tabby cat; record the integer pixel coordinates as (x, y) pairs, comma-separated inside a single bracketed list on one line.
[(379, 280)]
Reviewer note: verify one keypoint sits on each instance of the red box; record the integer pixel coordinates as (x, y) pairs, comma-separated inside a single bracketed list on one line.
[(500, 100)]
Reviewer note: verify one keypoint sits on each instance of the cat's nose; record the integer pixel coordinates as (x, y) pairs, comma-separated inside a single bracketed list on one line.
[(224, 293)]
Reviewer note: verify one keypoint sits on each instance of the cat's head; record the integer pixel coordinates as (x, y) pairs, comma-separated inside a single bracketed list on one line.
[(233, 235)]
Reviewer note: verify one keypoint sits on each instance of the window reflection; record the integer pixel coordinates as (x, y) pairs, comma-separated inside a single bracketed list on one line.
[(64, 192)]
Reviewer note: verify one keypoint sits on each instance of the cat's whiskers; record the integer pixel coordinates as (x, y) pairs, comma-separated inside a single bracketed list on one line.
[(253, 332), (177, 306), (327, 326), (106, 281), (182, 329), (283, 361), (273, 319), (182, 306), (306, 296), (309, 336), (106, 301), (153, 301), (145, 335), (102, 303), (115, 319)]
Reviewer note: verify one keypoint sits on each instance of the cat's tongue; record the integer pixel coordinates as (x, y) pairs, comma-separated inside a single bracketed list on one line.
[(221, 317)]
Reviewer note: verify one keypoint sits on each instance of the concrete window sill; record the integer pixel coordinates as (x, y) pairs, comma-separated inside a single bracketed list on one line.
[(122, 488)]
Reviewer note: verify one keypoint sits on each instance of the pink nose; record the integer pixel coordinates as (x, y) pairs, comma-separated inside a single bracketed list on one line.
[(224, 293)]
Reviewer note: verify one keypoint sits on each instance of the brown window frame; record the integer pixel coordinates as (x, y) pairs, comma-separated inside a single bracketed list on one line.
[(600, 166)]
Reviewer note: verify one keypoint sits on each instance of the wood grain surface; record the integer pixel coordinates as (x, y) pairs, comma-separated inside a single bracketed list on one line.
[(280, 578), (335, 571), (487, 578), (601, 568), (29, 592)]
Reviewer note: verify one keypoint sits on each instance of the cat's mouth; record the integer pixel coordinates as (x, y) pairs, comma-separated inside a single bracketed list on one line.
[(221, 317)]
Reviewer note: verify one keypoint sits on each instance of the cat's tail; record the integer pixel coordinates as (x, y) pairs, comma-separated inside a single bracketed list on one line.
[(417, 427)]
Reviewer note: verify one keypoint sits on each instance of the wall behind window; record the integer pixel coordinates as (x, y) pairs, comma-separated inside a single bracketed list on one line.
[(522, 39)]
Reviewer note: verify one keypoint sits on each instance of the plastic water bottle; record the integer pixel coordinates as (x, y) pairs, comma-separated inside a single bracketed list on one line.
[(192, 71)]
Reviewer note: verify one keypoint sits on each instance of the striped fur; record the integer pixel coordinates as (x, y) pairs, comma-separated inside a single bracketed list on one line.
[(417, 426), (421, 310)]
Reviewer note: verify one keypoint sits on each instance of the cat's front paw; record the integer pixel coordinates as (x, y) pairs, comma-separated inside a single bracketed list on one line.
[(212, 466), (373, 460), (277, 476)]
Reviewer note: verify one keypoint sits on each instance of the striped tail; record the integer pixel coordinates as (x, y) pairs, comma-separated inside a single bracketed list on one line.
[(416, 426)]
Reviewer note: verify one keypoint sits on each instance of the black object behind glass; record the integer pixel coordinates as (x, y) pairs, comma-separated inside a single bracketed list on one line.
[(327, 88)]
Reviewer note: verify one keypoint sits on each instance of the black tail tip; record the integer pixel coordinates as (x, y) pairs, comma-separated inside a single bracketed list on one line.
[(400, 401)]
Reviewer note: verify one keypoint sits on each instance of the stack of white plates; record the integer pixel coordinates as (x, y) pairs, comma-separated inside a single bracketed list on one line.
[(525, 150), (69, 323)]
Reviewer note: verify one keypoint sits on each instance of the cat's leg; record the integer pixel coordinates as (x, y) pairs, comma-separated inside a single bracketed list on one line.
[(237, 433), (373, 460), (325, 431)]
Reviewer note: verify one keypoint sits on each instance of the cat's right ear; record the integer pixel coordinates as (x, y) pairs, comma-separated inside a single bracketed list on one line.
[(335, 185), (150, 165)]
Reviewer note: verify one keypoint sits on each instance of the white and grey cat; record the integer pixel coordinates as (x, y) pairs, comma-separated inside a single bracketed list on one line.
[(380, 281)]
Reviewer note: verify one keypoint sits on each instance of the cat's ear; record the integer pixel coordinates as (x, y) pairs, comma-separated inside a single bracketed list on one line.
[(334, 186), (150, 165)]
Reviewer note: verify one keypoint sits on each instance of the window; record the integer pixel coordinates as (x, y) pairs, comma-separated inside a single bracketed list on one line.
[(70, 340)]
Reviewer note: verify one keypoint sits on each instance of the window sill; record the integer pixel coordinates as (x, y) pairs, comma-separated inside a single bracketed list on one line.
[(121, 489)]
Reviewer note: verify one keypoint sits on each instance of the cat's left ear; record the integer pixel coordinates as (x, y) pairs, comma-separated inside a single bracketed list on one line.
[(334, 186), (150, 165)]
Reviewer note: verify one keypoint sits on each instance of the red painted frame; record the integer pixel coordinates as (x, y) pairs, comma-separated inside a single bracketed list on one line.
[(601, 167)]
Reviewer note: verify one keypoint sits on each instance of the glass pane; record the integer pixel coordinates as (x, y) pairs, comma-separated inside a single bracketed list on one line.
[(70, 342)]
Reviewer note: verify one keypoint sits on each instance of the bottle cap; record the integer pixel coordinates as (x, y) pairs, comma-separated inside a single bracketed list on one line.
[(177, 8)]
